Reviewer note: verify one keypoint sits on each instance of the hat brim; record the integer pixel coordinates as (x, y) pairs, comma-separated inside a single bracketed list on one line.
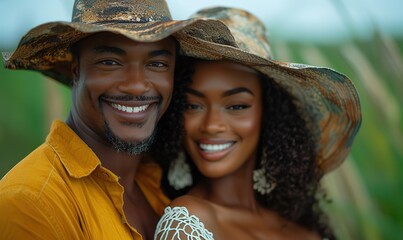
[(327, 100), (46, 48)]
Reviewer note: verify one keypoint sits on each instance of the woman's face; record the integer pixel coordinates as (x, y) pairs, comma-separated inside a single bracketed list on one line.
[(222, 117)]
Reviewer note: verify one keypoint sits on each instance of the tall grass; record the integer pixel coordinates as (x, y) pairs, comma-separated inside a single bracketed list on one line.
[(366, 190), (29, 103)]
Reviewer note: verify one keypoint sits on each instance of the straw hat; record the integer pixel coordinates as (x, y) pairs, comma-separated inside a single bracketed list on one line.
[(46, 48), (327, 100)]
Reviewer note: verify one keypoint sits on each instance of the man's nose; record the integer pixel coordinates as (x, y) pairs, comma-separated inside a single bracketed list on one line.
[(135, 81)]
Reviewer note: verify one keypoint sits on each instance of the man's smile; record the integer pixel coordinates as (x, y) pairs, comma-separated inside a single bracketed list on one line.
[(130, 109)]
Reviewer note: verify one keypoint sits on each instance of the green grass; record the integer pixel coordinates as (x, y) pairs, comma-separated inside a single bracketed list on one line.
[(27, 103), (367, 189)]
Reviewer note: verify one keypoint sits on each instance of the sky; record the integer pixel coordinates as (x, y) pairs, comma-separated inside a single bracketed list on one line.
[(304, 20)]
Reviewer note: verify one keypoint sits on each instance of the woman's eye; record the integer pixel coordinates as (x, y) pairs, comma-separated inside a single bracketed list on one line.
[(190, 106), (238, 107)]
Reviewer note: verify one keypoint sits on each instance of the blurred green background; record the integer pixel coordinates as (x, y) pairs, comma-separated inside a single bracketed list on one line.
[(366, 190)]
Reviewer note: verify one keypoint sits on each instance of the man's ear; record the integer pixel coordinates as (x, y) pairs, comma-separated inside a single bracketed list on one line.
[(75, 70)]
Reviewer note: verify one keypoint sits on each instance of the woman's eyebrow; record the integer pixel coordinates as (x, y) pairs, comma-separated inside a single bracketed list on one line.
[(225, 94), (236, 91), (194, 92)]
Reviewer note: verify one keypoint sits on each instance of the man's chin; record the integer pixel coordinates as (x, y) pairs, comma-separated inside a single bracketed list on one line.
[(129, 146)]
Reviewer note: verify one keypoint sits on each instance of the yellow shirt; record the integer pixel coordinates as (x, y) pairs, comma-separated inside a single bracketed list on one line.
[(61, 191)]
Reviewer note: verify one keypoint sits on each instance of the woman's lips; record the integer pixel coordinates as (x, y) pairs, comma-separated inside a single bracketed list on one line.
[(214, 151), (214, 147)]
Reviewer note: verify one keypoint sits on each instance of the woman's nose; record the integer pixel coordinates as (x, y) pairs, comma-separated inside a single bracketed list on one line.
[(213, 122)]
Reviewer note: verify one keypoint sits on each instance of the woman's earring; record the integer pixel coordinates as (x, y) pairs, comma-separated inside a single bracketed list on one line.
[(179, 174), (261, 183)]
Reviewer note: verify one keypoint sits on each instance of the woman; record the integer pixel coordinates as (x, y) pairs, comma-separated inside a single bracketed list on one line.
[(258, 136)]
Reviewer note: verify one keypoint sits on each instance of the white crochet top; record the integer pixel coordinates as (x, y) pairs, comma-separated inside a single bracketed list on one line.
[(177, 224)]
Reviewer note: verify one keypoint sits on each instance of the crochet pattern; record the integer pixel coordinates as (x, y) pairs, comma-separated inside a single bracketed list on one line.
[(177, 224)]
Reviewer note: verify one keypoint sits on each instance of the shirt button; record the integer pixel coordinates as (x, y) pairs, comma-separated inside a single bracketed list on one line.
[(104, 175)]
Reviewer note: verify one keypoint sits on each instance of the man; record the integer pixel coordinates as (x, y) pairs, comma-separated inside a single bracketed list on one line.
[(90, 179)]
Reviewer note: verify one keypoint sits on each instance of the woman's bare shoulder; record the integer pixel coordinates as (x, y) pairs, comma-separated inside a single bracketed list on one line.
[(198, 207), (186, 217)]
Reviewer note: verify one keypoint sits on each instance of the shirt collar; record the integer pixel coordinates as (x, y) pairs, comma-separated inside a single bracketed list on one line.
[(78, 159)]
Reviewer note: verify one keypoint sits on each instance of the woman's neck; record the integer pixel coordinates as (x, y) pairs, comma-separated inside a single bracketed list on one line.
[(234, 190)]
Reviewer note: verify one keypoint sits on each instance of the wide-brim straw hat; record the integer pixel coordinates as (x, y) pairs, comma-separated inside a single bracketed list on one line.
[(46, 48), (327, 100)]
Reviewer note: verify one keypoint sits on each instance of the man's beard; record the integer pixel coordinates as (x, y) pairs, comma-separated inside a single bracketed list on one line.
[(129, 147)]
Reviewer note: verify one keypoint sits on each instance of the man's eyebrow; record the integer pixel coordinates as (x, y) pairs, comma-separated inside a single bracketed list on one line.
[(109, 49), (160, 52), (119, 51), (225, 94), (236, 91)]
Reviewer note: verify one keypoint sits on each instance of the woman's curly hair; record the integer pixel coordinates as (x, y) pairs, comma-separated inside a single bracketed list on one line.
[(285, 140)]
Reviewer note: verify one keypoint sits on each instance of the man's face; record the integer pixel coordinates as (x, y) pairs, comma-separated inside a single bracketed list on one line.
[(123, 87)]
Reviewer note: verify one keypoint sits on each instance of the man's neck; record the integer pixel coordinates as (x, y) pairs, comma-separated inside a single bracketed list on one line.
[(122, 164)]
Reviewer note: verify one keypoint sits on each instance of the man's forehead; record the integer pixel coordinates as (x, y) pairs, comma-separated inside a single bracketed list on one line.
[(105, 41)]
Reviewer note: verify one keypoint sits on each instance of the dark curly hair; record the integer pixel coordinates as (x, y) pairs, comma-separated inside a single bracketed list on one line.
[(285, 141)]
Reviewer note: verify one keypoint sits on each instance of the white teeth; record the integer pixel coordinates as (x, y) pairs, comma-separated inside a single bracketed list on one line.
[(130, 109), (214, 147)]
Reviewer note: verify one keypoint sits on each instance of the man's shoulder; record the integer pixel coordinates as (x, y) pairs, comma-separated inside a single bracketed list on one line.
[(34, 194), (33, 173)]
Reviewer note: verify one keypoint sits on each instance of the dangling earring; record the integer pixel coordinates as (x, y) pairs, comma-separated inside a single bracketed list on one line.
[(179, 175), (262, 183)]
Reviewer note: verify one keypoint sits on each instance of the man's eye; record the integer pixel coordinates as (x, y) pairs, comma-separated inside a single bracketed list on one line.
[(238, 107), (158, 64), (108, 62)]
